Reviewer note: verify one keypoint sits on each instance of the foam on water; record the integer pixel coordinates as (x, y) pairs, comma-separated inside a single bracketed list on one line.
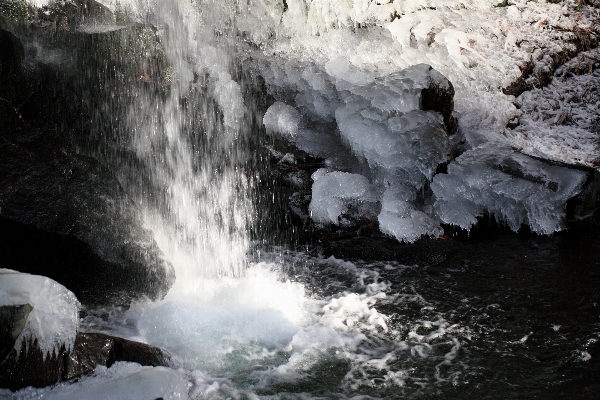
[(275, 330)]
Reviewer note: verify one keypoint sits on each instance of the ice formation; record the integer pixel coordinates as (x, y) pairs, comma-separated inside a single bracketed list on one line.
[(282, 119), (54, 320), (401, 219), (561, 122), (338, 197), (515, 188), (379, 121), (332, 65)]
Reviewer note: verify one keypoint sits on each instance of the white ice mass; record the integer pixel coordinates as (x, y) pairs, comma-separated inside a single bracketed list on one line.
[(515, 188), (359, 67), (54, 320)]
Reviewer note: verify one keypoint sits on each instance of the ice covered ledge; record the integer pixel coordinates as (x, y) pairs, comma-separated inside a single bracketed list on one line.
[(40, 344)]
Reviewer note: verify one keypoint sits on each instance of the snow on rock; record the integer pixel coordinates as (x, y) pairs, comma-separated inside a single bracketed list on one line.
[(561, 122), (54, 320), (122, 381), (337, 196), (515, 188)]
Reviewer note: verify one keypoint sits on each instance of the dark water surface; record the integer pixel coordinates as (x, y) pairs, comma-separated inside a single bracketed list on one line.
[(531, 305)]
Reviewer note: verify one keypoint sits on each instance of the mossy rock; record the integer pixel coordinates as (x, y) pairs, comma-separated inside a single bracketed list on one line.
[(126, 51), (13, 12)]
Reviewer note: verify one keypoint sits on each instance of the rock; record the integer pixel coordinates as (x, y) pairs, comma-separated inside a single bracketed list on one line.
[(40, 339), (94, 12), (31, 368), (65, 216), (12, 320), (13, 12), (92, 349), (440, 98), (584, 208)]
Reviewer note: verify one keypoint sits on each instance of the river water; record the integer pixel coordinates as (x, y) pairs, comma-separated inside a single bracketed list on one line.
[(495, 315)]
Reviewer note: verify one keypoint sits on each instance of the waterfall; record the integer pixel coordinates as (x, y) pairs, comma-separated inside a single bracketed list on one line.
[(191, 143)]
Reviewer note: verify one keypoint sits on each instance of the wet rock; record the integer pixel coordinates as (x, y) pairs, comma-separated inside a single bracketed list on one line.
[(92, 349), (13, 12), (12, 322), (31, 368), (585, 207), (65, 216)]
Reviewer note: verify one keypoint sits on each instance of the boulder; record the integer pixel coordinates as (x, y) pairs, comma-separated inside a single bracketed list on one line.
[(29, 366), (66, 216), (92, 349), (40, 342)]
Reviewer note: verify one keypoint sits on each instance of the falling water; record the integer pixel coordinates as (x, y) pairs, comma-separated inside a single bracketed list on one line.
[(193, 153)]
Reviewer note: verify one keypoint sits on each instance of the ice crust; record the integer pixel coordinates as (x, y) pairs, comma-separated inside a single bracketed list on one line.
[(561, 122), (379, 121), (122, 381), (54, 320), (515, 188)]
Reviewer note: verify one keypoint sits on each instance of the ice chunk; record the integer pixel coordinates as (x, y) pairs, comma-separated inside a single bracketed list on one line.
[(337, 193), (414, 143), (400, 219), (383, 122), (54, 320), (515, 188), (282, 119)]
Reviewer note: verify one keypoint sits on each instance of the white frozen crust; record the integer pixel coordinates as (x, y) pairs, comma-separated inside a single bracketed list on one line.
[(54, 320)]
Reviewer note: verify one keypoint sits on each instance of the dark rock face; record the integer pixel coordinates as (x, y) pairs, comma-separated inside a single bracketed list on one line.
[(65, 216), (440, 99), (11, 74), (13, 320), (30, 368)]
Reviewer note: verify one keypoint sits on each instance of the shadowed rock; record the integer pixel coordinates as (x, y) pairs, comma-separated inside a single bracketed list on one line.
[(31, 368), (12, 323)]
